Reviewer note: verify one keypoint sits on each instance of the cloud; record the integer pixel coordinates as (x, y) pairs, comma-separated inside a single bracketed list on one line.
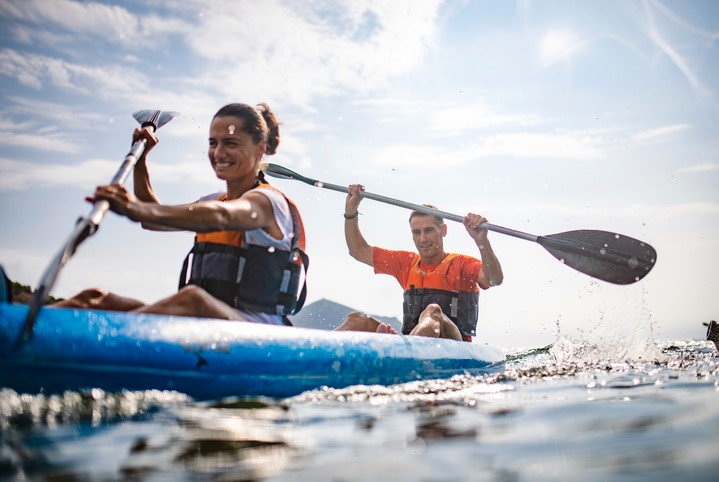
[(262, 48), (661, 41), (28, 135), (699, 168), (660, 134), (107, 21), (16, 175), (520, 145), (688, 210), (37, 70), (476, 115), (21, 175)]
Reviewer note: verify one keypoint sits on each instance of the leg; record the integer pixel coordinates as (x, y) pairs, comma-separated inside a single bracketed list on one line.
[(192, 301), (95, 298), (435, 324)]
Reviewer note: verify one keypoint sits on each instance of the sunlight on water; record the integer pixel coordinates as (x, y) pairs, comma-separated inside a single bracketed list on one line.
[(569, 411)]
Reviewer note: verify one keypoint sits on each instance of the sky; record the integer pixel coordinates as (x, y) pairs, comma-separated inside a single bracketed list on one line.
[(543, 116)]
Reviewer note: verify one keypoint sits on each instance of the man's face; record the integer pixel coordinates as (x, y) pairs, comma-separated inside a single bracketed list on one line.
[(427, 235)]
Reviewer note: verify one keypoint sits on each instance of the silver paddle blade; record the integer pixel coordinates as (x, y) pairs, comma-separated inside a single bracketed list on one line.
[(155, 118)]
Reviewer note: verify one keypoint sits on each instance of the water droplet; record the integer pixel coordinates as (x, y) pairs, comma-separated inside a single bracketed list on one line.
[(633, 262), (602, 251), (291, 235), (190, 208), (319, 184), (253, 215), (271, 249), (616, 236)]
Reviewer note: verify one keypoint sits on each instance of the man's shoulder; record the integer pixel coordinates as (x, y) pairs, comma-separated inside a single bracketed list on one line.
[(462, 257), (393, 255)]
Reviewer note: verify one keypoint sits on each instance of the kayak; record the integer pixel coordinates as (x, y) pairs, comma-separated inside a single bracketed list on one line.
[(77, 349)]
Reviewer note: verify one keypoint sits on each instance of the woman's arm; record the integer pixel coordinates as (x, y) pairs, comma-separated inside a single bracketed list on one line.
[(251, 211)]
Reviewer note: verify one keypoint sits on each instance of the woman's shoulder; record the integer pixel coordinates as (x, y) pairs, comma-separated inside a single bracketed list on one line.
[(212, 197)]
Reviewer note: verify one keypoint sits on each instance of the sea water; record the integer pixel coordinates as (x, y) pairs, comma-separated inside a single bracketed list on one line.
[(564, 412)]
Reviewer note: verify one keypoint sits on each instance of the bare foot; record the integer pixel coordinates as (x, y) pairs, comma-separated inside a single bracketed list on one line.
[(385, 328)]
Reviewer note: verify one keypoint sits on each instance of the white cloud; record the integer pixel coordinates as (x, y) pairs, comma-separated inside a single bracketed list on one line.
[(458, 119), (521, 145), (660, 134), (36, 70), (692, 210), (28, 135), (261, 49), (98, 19), (699, 168), (17, 175)]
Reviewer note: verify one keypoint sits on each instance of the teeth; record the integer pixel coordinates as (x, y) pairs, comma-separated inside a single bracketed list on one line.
[(222, 164)]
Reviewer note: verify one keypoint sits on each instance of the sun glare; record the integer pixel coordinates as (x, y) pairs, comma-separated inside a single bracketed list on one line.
[(557, 46)]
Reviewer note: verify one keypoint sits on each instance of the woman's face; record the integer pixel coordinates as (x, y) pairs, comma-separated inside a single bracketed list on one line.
[(232, 153)]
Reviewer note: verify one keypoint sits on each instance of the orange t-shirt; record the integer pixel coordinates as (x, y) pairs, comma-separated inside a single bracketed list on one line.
[(462, 275)]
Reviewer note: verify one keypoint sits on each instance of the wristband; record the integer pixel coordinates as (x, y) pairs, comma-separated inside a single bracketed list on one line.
[(351, 216)]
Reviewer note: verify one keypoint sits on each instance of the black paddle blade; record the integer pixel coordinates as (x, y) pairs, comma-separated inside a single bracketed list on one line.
[(283, 173), (606, 256)]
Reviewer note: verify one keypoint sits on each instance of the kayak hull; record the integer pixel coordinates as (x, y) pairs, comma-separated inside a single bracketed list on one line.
[(74, 349)]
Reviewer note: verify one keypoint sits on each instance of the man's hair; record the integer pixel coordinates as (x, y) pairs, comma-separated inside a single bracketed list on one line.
[(439, 219)]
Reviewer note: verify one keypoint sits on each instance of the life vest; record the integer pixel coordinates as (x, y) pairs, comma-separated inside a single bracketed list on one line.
[(462, 307), (249, 276)]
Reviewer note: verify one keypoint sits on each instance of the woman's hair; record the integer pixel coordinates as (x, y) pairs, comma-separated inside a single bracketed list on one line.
[(259, 122)]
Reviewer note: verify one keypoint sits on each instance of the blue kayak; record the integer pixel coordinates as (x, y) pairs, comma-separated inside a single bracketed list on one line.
[(73, 349)]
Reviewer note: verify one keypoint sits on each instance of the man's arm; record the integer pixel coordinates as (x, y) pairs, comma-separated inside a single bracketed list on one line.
[(491, 272), (358, 247)]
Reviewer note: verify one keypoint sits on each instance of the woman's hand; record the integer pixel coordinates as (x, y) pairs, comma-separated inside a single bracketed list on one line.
[(121, 201), (150, 138)]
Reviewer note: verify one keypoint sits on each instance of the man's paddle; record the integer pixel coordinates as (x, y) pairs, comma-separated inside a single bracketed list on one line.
[(86, 227), (603, 255)]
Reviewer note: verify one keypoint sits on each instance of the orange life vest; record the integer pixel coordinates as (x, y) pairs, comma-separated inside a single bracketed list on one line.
[(249, 276)]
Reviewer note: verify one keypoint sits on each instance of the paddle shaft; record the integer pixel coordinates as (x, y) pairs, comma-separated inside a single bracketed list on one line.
[(427, 210)]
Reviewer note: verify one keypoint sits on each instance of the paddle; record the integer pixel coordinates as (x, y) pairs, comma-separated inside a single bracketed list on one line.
[(86, 227), (603, 255)]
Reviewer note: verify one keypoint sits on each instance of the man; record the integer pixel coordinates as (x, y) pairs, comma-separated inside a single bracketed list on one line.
[(441, 297)]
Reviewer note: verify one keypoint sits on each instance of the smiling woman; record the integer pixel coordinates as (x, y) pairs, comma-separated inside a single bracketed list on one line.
[(248, 261)]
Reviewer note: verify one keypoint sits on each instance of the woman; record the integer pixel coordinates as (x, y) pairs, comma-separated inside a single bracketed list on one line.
[(248, 261)]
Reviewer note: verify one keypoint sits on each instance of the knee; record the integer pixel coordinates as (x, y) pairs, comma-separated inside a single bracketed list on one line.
[(87, 298), (191, 294), (357, 321)]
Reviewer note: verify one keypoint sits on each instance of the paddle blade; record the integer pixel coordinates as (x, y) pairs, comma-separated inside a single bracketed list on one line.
[(281, 172), (610, 257), (154, 118)]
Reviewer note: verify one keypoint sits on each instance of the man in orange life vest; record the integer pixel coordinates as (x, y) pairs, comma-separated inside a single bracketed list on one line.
[(441, 290)]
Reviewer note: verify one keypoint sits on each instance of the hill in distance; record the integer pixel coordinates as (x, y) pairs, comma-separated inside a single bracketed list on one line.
[(327, 315)]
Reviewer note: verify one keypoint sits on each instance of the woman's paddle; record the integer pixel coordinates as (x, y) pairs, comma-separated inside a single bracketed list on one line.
[(86, 227), (603, 255)]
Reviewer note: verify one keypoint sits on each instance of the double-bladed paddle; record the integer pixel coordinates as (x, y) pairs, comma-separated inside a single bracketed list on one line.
[(87, 226), (603, 255)]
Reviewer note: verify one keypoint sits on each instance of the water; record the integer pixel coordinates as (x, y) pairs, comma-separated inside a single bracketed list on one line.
[(565, 412)]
